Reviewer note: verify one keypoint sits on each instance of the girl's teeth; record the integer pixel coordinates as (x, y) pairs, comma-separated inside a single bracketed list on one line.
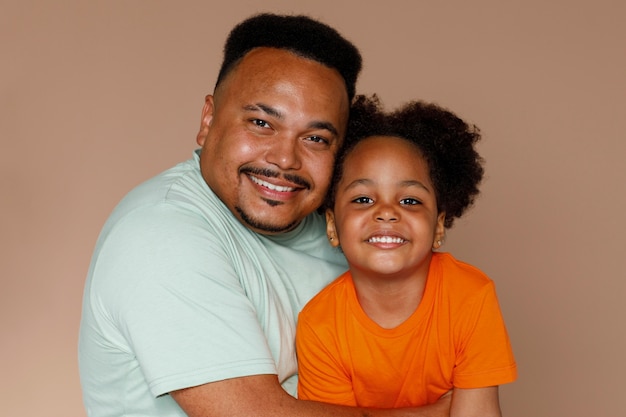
[(386, 239)]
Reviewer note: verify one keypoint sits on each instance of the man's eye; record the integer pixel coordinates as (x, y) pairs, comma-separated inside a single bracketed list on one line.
[(410, 201), (318, 139), (363, 200), (260, 123)]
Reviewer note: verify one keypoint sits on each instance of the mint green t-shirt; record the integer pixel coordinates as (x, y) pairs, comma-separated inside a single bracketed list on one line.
[(180, 293)]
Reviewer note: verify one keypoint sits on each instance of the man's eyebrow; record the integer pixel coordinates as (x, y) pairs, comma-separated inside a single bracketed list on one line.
[(265, 109), (326, 126), (271, 111)]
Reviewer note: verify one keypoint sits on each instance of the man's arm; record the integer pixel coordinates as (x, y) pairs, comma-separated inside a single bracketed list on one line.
[(477, 402), (262, 396)]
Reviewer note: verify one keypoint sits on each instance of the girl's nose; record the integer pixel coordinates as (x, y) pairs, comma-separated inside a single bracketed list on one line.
[(387, 213)]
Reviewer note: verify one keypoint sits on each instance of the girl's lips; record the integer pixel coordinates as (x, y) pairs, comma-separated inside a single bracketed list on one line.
[(386, 239)]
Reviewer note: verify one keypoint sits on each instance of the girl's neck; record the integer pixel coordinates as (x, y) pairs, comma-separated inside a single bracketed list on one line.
[(389, 301)]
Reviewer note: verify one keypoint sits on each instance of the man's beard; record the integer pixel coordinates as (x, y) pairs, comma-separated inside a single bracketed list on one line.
[(265, 227)]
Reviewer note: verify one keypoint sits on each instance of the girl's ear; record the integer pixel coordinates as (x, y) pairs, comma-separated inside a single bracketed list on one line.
[(331, 231), (440, 231)]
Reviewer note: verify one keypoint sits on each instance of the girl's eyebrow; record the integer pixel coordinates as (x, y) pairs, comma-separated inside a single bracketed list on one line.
[(414, 183), (360, 181), (405, 183)]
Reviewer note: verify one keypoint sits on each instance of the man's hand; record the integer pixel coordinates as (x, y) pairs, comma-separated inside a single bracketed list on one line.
[(262, 396)]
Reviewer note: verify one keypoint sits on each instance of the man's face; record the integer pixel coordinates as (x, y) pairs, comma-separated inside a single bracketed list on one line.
[(269, 136)]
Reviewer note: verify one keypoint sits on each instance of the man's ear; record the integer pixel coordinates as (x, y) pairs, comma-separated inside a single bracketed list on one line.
[(331, 230), (205, 122)]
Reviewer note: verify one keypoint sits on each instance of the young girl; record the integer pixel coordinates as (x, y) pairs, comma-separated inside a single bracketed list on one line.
[(405, 325)]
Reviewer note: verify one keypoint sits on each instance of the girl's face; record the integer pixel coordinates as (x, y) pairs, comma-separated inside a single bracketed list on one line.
[(385, 215)]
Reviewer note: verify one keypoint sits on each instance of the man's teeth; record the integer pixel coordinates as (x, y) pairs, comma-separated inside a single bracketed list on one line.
[(386, 239), (271, 186)]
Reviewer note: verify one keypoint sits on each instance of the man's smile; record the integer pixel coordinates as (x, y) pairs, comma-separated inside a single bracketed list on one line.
[(270, 186)]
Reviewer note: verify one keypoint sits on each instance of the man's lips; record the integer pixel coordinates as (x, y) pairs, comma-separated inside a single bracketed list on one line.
[(270, 186), (282, 183)]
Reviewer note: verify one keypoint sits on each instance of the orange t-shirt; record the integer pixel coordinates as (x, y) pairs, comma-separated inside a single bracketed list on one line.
[(455, 338)]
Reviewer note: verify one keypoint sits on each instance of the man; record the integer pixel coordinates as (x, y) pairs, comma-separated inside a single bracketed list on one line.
[(199, 273)]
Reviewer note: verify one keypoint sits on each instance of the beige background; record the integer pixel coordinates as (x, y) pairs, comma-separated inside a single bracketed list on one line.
[(96, 96)]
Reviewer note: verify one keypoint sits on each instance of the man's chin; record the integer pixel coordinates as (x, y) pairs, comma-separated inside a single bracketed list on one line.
[(267, 225)]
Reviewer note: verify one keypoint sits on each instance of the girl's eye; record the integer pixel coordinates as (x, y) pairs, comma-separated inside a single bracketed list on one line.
[(363, 200), (410, 201)]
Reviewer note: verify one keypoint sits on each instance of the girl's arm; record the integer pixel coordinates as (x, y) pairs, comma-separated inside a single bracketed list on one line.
[(476, 402)]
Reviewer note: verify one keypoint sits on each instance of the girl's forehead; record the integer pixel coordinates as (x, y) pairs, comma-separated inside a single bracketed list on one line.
[(389, 157), (379, 145)]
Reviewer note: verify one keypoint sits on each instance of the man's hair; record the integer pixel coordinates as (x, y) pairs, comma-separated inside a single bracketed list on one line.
[(446, 143), (299, 35)]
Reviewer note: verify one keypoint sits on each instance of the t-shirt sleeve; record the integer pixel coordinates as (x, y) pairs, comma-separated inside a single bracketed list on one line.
[(484, 354), (321, 377), (171, 291)]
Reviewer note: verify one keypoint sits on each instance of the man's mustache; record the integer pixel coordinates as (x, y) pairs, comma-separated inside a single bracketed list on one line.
[(274, 174)]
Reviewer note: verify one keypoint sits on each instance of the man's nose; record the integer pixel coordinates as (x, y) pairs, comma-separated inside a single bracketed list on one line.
[(284, 152)]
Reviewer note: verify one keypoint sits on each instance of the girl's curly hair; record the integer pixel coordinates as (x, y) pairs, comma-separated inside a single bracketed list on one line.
[(446, 142)]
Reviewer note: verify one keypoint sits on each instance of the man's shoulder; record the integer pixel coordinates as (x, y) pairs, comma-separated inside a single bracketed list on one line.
[(175, 205), (169, 185), (180, 188)]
